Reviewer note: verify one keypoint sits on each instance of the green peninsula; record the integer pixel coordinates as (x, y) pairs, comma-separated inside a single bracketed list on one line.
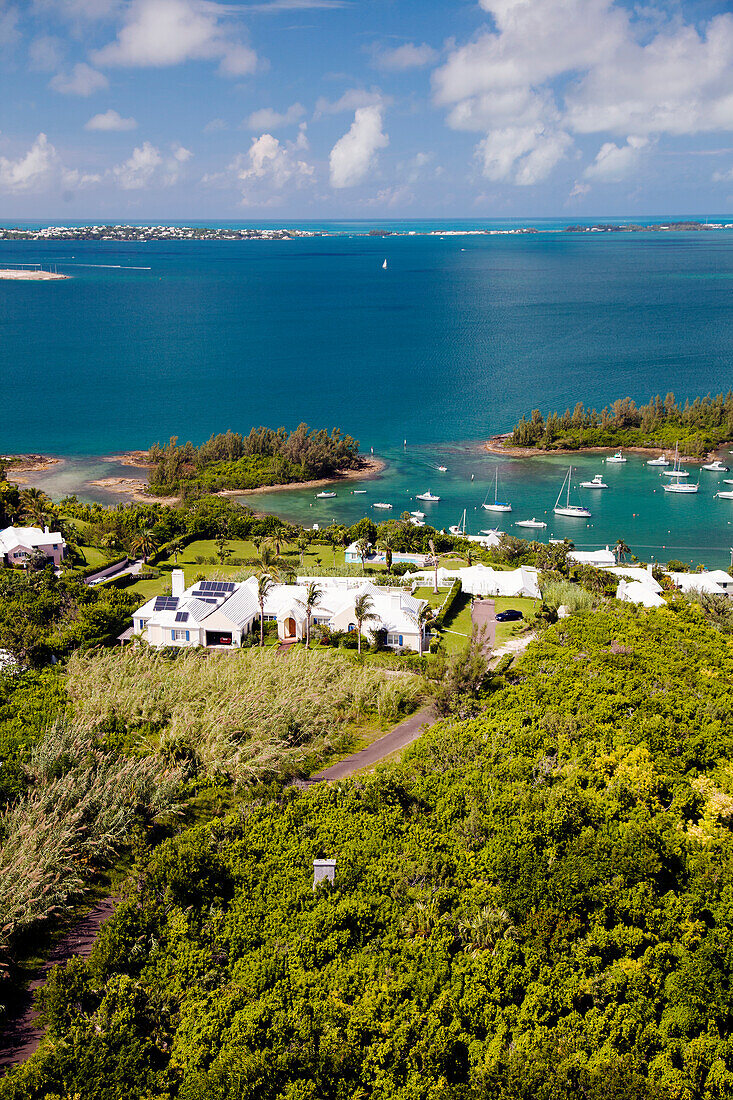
[(698, 426)]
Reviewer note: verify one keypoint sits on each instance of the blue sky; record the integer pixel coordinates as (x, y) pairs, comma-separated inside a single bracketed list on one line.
[(185, 109)]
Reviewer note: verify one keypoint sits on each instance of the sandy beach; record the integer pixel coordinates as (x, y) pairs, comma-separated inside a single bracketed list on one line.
[(28, 276), (137, 488)]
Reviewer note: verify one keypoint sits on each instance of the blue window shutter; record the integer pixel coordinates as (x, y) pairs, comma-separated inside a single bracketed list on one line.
[(188, 636), (400, 639), (173, 635)]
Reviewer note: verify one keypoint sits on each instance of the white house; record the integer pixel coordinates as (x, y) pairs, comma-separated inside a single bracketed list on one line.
[(715, 582), (601, 559), (18, 544), (639, 592), (220, 614), (482, 580)]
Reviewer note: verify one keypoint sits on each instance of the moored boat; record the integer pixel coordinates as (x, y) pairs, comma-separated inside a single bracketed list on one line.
[(380, 504), (661, 461), (498, 505), (530, 523), (572, 511), (596, 483), (618, 457), (427, 496), (716, 466), (325, 495)]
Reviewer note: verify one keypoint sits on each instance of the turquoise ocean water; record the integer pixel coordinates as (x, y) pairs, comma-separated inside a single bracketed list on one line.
[(449, 345)]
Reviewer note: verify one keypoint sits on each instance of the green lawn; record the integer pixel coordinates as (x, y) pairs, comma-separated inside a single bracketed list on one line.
[(457, 627), (434, 599)]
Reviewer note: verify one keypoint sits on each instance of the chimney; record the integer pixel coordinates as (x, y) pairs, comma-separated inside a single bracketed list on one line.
[(324, 870), (178, 582), (650, 568), (45, 531)]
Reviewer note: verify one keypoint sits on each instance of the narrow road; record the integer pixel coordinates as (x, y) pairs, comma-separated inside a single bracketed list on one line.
[(398, 738), (22, 1033)]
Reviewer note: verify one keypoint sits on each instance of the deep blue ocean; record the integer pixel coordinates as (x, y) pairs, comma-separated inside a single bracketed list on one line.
[(449, 345)]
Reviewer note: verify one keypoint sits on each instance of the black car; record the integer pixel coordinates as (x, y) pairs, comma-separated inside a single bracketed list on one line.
[(509, 616)]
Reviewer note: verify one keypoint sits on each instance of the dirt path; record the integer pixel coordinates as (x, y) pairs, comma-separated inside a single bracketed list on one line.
[(398, 738), (483, 616), (22, 1034)]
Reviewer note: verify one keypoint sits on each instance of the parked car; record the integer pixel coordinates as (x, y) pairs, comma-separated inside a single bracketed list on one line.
[(509, 616)]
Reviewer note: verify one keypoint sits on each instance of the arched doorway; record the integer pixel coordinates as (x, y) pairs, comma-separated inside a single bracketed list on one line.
[(290, 628)]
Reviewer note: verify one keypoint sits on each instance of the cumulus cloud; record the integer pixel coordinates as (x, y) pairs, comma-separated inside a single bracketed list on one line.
[(147, 166), (405, 57), (355, 152), (9, 19), (268, 167), (549, 69), (614, 163), (39, 169), (215, 125), (169, 32), (267, 118), (110, 120), (82, 80), (723, 177)]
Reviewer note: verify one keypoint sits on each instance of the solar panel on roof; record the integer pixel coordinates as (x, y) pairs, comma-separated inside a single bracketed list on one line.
[(182, 617), (166, 603)]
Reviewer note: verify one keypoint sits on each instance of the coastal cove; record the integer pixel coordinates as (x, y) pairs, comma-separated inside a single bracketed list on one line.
[(454, 341)]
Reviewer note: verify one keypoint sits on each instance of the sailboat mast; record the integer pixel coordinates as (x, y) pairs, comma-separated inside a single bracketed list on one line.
[(570, 472)]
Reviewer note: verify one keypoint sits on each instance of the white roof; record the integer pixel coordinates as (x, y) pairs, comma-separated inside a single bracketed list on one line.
[(716, 582), (638, 592), (599, 558), (482, 580), (26, 538), (636, 573)]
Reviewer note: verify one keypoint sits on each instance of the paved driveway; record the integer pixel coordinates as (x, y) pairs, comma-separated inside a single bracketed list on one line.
[(398, 738), (483, 616)]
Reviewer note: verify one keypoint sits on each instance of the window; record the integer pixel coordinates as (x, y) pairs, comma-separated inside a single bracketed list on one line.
[(179, 635), (392, 639)]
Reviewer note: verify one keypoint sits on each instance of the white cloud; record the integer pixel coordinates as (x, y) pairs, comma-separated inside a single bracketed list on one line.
[(32, 170), (9, 19), (548, 69), (614, 163), (139, 168), (215, 126), (723, 177), (354, 153), (40, 169), (82, 80), (404, 57), (349, 101), (169, 32), (45, 53), (268, 167), (110, 120), (267, 118)]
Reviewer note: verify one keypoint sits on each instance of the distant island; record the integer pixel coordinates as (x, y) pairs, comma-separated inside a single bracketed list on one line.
[(263, 460), (698, 427), (227, 233)]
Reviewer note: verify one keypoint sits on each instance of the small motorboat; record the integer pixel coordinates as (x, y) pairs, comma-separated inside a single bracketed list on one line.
[(661, 461), (717, 467), (535, 523), (727, 494), (596, 483), (359, 492), (417, 522), (728, 480), (443, 469), (324, 495), (417, 514), (618, 457), (381, 504), (427, 496)]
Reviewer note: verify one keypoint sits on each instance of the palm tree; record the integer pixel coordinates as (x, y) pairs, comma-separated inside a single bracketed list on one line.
[(313, 594), (35, 506), (363, 613), (264, 584), (434, 564), (362, 549), (421, 618), (269, 562), (621, 550), (302, 545), (145, 543), (383, 544), (486, 930), (175, 548)]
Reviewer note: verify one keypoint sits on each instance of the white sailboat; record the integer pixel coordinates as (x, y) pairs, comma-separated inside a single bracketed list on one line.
[(676, 472), (596, 483), (535, 523), (459, 528), (498, 505), (573, 511), (384, 266)]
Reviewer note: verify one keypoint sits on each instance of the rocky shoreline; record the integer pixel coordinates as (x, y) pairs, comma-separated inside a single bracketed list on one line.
[(137, 488), (496, 446)]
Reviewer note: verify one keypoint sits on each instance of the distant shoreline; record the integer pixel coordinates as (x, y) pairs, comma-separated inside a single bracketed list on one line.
[(496, 446), (21, 275)]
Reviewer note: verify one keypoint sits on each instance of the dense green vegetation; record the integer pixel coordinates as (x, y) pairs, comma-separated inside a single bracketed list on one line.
[(700, 426), (536, 904), (264, 457)]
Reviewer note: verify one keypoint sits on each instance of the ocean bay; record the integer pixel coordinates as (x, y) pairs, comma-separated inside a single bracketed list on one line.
[(457, 339)]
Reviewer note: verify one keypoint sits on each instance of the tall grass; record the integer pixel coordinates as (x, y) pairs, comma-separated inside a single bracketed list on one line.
[(73, 820), (253, 714), (565, 594)]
